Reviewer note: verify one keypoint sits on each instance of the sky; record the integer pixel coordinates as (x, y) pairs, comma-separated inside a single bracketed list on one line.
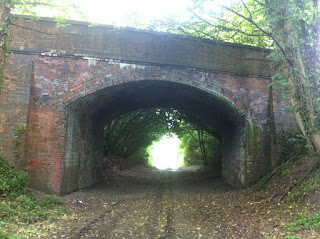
[(166, 154), (136, 13), (120, 11)]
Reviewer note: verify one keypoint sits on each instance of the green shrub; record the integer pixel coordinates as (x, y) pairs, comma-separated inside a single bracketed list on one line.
[(5, 235), (6, 211), (51, 202), (309, 185), (12, 182), (305, 221), (28, 208)]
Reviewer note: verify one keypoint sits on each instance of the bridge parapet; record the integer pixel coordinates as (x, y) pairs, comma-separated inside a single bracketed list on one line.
[(129, 45)]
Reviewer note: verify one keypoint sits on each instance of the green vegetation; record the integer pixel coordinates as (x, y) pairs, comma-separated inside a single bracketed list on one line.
[(12, 182), (305, 220), (294, 182), (200, 148), (19, 205), (17, 141), (128, 137), (290, 28), (308, 186)]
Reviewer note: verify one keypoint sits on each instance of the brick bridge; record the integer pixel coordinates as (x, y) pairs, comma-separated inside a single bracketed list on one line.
[(64, 84)]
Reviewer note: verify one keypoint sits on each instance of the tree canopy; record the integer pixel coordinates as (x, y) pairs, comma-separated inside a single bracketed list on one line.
[(58, 9), (132, 133), (291, 28)]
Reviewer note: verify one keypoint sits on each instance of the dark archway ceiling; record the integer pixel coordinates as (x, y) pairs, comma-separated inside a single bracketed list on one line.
[(110, 103)]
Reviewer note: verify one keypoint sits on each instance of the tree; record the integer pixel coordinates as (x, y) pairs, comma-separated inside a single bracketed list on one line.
[(200, 148), (58, 9), (134, 132), (5, 19), (291, 28)]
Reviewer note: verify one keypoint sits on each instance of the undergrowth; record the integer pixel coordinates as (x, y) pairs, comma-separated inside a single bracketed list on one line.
[(303, 221), (267, 181), (18, 203), (308, 186), (12, 182), (294, 182)]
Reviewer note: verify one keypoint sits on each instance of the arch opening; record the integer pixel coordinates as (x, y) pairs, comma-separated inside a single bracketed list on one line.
[(87, 117)]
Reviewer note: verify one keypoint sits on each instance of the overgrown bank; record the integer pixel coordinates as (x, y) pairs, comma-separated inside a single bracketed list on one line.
[(295, 184)]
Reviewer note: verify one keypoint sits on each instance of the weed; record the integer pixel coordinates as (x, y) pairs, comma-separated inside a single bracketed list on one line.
[(308, 186), (51, 202), (265, 182), (6, 211), (12, 182), (305, 221), (19, 204), (289, 236), (17, 141)]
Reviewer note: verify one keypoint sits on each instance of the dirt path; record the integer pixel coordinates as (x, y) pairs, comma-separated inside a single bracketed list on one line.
[(154, 204)]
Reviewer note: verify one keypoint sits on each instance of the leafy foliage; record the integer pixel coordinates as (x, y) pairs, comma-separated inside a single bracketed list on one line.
[(200, 148), (222, 25), (134, 131), (12, 182), (305, 221), (131, 134), (28, 208), (19, 204), (305, 188), (290, 27)]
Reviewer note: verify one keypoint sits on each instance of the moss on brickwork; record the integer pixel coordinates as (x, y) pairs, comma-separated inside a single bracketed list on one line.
[(19, 133), (256, 164)]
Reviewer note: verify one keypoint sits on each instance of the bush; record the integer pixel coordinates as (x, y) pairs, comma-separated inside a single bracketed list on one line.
[(6, 211), (28, 208), (51, 202), (305, 221), (12, 182)]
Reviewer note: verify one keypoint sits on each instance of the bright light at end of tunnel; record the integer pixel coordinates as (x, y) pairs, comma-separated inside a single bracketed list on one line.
[(166, 154)]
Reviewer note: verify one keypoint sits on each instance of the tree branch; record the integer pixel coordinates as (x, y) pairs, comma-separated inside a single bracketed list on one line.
[(264, 5), (290, 62), (225, 27), (247, 9)]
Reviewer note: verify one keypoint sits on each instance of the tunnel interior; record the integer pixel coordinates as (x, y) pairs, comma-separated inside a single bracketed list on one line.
[(87, 117)]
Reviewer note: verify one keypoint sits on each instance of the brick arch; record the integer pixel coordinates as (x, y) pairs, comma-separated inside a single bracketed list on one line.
[(102, 75), (60, 85), (89, 110)]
